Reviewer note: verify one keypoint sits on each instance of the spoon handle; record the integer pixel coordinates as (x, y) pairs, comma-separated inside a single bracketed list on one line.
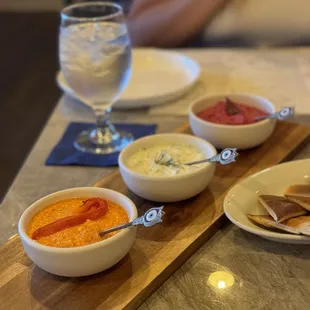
[(226, 157), (150, 218), (102, 233), (198, 162), (259, 118), (282, 115)]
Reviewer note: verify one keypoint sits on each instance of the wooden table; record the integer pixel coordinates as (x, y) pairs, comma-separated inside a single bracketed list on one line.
[(266, 275)]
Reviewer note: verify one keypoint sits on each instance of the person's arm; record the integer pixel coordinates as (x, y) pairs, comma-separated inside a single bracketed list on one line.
[(168, 22)]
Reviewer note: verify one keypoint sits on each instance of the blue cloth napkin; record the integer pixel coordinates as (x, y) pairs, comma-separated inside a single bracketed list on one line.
[(65, 153)]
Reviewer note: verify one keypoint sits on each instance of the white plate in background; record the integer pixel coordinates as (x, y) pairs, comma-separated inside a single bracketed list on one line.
[(242, 198), (158, 76)]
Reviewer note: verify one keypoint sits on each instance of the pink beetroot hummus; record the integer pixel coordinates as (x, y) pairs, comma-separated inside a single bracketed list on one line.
[(218, 114)]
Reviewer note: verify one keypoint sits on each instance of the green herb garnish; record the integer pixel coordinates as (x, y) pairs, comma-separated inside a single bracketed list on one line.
[(165, 159)]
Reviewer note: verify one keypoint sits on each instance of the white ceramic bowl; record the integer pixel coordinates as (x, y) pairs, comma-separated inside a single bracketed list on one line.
[(83, 260), (168, 188), (232, 136)]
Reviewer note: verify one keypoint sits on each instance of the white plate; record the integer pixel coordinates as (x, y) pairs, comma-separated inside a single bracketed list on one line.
[(158, 76), (242, 198)]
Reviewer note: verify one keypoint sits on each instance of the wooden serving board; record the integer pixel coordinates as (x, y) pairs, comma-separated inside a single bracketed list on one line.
[(157, 252)]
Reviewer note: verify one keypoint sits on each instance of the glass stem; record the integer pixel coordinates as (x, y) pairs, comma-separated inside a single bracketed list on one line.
[(105, 132)]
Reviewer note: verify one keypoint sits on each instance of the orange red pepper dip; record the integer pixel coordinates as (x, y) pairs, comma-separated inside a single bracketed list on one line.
[(218, 114), (75, 222)]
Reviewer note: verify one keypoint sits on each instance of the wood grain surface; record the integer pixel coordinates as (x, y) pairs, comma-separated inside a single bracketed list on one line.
[(157, 252)]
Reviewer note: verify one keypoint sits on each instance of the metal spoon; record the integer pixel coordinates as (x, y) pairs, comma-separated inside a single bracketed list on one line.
[(282, 115), (151, 217), (226, 157)]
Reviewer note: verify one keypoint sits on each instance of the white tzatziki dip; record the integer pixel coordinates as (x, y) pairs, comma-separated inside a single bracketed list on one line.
[(146, 160)]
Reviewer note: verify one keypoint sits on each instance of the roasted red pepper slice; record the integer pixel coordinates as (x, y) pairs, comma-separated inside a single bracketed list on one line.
[(92, 209)]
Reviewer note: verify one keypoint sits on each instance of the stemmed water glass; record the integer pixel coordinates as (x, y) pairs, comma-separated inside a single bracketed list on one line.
[(95, 58)]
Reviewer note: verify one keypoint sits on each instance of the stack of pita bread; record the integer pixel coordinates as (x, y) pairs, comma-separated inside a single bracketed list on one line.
[(289, 213)]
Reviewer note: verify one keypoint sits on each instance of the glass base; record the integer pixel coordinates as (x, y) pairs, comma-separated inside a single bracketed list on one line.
[(85, 143)]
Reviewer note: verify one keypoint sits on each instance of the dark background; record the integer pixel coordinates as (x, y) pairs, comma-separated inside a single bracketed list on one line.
[(28, 92)]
